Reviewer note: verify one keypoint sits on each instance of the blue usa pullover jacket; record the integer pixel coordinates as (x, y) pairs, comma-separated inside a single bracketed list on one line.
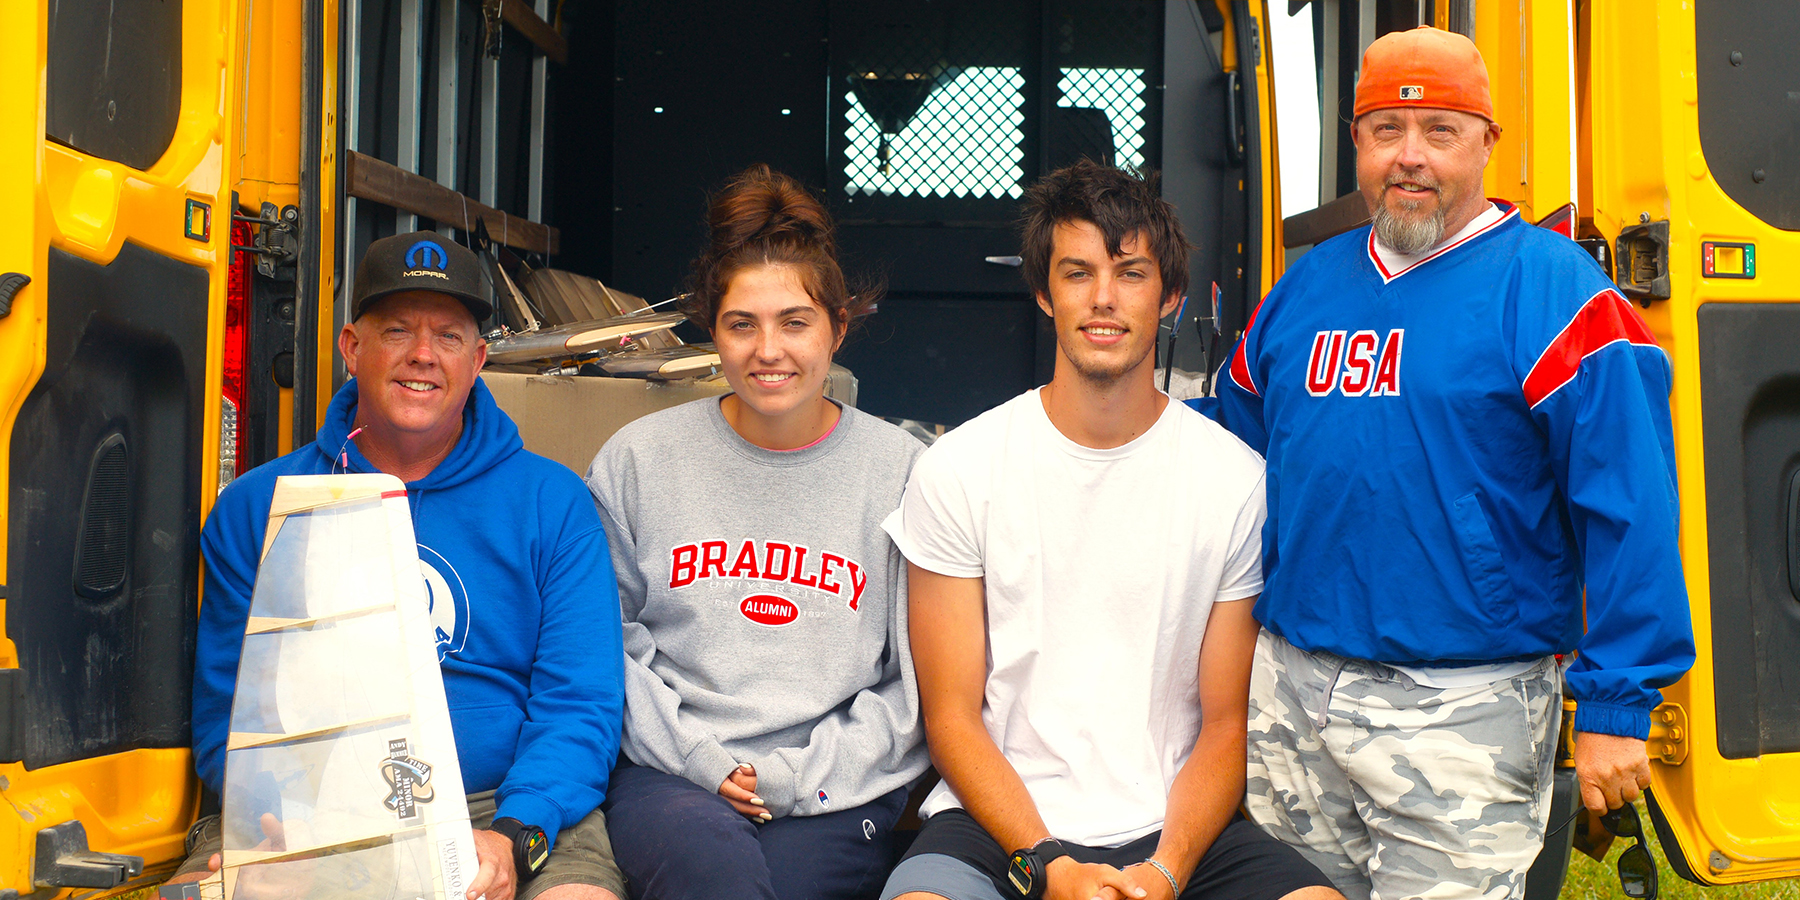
[(523, 597), (1455, 451)]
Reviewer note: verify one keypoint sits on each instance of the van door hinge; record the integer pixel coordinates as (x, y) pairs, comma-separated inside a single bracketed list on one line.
[(64, 860), (1668, 734), (1642, 262), (277, 241)]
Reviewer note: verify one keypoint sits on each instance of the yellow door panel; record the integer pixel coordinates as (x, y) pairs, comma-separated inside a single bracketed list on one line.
[(98, 347), (1725, 766)]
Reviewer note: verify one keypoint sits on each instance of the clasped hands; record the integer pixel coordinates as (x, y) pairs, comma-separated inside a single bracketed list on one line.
[(1071, 880), (739, 790)]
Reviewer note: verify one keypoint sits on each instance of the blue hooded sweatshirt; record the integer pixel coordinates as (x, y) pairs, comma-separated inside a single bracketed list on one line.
[(523, 597)]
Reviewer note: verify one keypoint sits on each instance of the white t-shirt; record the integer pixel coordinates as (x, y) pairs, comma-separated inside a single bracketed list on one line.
[(1101, 568)]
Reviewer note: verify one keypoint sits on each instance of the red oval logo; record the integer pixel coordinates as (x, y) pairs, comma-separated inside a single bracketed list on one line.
[(768, 609)]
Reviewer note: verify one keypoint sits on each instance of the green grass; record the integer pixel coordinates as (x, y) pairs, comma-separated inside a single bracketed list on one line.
[(1590, 880)]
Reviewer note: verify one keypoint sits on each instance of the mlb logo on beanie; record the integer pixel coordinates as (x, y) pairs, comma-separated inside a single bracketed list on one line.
[(1412, 92)]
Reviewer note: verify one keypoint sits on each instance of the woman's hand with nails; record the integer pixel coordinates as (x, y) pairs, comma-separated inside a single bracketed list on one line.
[(739, 789)]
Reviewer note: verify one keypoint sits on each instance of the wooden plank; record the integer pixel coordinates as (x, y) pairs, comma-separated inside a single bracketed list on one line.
[(1328, 221), (536, 30), (383, 182)]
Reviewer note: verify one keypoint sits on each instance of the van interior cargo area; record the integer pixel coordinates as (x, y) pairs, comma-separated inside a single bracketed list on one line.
[(921, 123)]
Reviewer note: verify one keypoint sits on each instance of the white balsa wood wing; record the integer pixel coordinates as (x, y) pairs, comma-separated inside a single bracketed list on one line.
[(341, 775)]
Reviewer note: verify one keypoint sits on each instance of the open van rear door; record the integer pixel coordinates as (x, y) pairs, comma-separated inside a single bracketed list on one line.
[(118, 155), (1696, 178)]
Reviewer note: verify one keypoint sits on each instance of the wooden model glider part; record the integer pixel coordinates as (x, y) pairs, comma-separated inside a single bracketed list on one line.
[(565, 341), (341, 775), (678, 362)]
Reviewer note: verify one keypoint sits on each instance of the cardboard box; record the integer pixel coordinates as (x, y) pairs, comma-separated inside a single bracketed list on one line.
[(568, 417)]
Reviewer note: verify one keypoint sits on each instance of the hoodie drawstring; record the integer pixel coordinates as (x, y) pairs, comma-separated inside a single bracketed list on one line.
[(343, 456)]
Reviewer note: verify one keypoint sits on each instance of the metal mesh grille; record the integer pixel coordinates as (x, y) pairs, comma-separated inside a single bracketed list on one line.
[(1119, 93), (965, 141)]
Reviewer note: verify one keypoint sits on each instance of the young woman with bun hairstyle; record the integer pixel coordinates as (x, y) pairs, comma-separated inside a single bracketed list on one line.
[(772, 719)]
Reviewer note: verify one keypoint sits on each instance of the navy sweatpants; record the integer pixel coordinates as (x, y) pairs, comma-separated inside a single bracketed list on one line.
[(676, 840)]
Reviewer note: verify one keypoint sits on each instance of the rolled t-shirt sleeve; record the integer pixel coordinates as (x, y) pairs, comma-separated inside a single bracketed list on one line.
[(935, 526), (1243, 574)]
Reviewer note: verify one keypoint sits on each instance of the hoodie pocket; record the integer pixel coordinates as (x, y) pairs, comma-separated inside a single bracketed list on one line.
[(1481, 560)]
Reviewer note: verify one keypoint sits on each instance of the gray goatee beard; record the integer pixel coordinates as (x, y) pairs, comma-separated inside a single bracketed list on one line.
[(1408, 237)]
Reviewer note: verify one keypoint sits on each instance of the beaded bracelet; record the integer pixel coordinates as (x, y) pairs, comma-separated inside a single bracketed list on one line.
[(1176, 888)]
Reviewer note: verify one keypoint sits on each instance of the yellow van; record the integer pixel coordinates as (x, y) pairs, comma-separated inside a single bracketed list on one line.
[(188, 183)]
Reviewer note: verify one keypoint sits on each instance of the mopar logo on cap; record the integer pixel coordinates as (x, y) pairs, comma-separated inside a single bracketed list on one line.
[(1412, 92), (427, 254)]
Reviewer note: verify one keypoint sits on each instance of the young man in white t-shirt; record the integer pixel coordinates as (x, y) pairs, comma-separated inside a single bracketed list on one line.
[(1082, 561)]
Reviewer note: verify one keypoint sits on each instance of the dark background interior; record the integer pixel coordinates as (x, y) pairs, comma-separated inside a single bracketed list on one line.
[(661, 102), (769, 82)]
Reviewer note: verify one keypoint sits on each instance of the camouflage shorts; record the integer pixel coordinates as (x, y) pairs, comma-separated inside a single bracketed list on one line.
[(1406, 790)]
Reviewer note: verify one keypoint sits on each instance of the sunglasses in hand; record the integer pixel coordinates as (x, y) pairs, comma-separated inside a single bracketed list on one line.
[(1637, 870)]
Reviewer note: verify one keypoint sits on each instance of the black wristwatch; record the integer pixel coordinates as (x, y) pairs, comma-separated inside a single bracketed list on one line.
[(1025, 871), (531, 849)]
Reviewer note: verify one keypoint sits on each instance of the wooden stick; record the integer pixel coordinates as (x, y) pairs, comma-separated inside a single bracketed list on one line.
[(383, 182), (266, 624), (535, 30), (240, 740)]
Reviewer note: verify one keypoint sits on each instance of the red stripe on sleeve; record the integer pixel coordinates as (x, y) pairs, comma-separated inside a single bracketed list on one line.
[(1240, 365), (1606, 318)]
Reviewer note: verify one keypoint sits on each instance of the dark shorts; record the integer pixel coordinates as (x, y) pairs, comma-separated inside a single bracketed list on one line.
[(956, 858)]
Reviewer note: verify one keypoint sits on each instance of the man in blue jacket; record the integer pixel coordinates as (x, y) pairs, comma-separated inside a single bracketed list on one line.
[(1465, 427), (514, 558)]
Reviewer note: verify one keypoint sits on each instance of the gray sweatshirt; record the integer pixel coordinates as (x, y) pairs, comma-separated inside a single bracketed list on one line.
[(764, 607)]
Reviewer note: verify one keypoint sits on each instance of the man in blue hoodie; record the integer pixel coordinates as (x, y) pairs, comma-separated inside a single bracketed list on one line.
[(514, 558)]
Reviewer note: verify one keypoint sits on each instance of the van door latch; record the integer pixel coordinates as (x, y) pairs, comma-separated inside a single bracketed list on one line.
[(277, 241), (64, 860), (9, 288), (1642, 262), (1668, 734)]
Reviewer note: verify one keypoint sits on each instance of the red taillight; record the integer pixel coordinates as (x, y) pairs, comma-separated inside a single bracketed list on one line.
[(234, 386), (1562, 221)]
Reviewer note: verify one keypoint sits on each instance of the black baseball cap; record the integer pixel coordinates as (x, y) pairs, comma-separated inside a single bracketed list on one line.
[(420, 261)]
